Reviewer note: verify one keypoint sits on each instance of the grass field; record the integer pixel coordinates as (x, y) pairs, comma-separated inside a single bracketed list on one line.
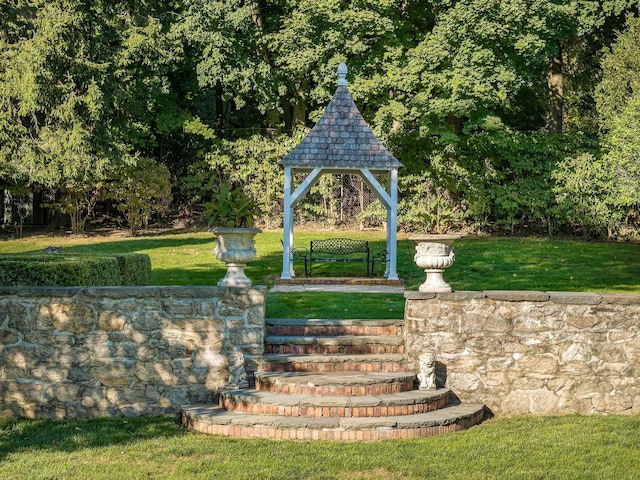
[(482, 263), (565, 447)]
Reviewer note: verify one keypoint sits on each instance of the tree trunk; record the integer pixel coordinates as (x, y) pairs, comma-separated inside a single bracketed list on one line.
[(556, 93), (457, 123), (219, 106), (299, 105), (295, 108)]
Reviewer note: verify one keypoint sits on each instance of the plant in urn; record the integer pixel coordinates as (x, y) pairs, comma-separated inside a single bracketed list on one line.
[(233, 213)]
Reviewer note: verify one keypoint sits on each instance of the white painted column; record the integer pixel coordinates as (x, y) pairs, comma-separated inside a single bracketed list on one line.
[(287, 234), (291, 199), (390, 201), (392, 226)]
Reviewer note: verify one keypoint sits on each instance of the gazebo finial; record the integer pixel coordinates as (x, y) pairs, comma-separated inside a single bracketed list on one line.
[(342, 74)]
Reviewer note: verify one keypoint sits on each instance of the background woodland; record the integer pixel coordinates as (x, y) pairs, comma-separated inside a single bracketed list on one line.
[(517, 116)]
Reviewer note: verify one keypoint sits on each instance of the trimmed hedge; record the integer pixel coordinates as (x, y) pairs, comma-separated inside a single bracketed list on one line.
[(134, 268), (69, 270)]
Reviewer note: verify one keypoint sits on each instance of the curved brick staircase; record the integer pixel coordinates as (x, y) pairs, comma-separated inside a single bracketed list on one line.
[(333, 380)]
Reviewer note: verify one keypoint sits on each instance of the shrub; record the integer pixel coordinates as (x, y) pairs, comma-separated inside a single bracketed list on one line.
[(585, 192), (428, 206), (140, 190), (56, 270), (74, 270), (134, 268)]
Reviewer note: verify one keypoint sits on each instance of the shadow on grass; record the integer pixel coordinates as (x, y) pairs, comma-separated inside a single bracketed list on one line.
[(73, 435), (138, 244), (131, 245)]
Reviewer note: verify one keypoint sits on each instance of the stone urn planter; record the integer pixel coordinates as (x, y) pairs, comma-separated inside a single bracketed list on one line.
[(232, 212), (235, 247), (434, 254)]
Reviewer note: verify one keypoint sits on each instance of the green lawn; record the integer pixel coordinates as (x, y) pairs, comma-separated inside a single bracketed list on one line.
[(482, 263), (571, 447), (565, 447)]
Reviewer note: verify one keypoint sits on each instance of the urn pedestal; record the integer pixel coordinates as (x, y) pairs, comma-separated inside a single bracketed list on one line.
[(235, 247), (434, 254)]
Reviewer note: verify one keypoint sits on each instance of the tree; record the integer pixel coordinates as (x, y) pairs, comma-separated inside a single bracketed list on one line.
[(618, 101), (139, 191), (83, 89), (229, 47)]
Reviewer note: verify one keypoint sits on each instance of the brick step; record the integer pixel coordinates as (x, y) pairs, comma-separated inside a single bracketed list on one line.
[(334, 383), (265, 403), (330, 363), (216, 421), (327, 328), (351, 345)]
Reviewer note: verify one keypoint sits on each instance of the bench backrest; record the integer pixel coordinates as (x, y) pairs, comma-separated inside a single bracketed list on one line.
[(339, 246)]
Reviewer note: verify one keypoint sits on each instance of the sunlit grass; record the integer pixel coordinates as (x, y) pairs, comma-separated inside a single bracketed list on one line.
[(548, 265), (482, 263), (335, 305), (572, 447)]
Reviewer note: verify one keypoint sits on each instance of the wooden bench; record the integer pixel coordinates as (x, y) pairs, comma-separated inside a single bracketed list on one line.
[(340, 250)]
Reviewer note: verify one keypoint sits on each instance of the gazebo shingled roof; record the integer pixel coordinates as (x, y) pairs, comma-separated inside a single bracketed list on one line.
[(341, 138)]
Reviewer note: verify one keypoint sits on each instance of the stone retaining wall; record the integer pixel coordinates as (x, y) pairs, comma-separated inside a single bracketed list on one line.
[(531, 352), (103, 351)]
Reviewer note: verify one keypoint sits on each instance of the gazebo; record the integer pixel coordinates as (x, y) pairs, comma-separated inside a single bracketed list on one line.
[(341, 143)]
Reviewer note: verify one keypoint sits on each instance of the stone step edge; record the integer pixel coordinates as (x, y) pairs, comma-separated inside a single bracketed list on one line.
[(214, 420), (343, 378), (266, 403), (321, 340), (331, 322), (341, 383), (251, 395), (333, 358), (347, 281)]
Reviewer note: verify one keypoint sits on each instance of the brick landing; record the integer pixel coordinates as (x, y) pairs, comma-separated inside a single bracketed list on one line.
[(216, 421), (339, 281)]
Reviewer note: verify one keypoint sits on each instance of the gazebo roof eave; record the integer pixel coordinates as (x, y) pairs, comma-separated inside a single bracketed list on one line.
[(334, 169)]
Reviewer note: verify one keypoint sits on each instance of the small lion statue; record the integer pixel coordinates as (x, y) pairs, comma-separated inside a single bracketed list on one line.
[(427, 375), (237, 373)]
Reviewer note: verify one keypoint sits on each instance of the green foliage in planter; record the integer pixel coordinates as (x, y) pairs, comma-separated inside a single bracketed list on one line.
[(231, 208), (75, 270)]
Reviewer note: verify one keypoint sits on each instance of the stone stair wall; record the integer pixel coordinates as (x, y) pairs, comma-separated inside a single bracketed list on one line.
[(525, 352), (113, 351)]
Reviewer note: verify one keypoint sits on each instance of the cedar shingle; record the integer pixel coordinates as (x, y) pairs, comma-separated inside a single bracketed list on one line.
[(341, 138)]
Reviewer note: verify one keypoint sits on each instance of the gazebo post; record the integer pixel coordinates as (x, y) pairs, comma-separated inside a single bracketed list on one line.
[(392, 226), (287, 234)]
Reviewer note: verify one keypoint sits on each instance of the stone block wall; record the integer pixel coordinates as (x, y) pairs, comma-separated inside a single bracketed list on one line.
[(531, 352), (108, 351)]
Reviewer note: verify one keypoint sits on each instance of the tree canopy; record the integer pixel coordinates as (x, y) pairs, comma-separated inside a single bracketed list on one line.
[(486, 101)]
